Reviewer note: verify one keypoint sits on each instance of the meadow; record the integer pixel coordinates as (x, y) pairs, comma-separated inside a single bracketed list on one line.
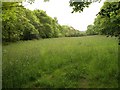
[(73, 62)]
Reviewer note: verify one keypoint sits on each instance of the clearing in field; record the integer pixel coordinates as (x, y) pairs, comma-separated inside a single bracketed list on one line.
[(78, 62)]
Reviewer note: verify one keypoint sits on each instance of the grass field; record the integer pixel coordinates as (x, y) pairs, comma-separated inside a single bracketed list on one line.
[(78, 62)]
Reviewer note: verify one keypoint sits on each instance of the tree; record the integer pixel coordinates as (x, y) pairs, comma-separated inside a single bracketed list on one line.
[(91, 30), (46, 27), (55, 26), (20, 23), (9, 20), (109, 14), (78, 6), (69, 31), (16, 24)]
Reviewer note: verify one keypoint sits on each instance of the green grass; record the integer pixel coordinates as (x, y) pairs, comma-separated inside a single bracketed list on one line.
[(78, 62)]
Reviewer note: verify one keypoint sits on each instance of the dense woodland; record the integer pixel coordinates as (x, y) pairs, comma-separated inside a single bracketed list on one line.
[(19, 23)]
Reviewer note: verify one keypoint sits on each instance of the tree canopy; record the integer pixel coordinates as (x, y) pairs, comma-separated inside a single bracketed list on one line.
[(19, 23), (108, 18)]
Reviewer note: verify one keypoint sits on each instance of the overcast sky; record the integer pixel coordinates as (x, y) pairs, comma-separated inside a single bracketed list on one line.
[(62, 10)]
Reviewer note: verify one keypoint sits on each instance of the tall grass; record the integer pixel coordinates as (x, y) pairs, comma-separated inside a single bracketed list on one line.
[(84, 62)]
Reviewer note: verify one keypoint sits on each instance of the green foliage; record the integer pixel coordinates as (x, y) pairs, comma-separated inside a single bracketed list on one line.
[(111, 14), (85, 62), (15, 24), (9, 21), (69, 31), (23, 24), (108, 19), (48, 25), (91, 30), (78, 6)]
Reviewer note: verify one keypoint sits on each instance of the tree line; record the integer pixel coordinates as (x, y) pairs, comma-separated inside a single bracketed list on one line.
[(19, 23)]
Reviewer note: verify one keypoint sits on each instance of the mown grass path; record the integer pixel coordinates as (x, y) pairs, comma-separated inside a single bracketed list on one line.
[(78, 62)]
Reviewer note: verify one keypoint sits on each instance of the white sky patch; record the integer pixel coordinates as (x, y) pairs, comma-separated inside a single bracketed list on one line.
[(62, 10)]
